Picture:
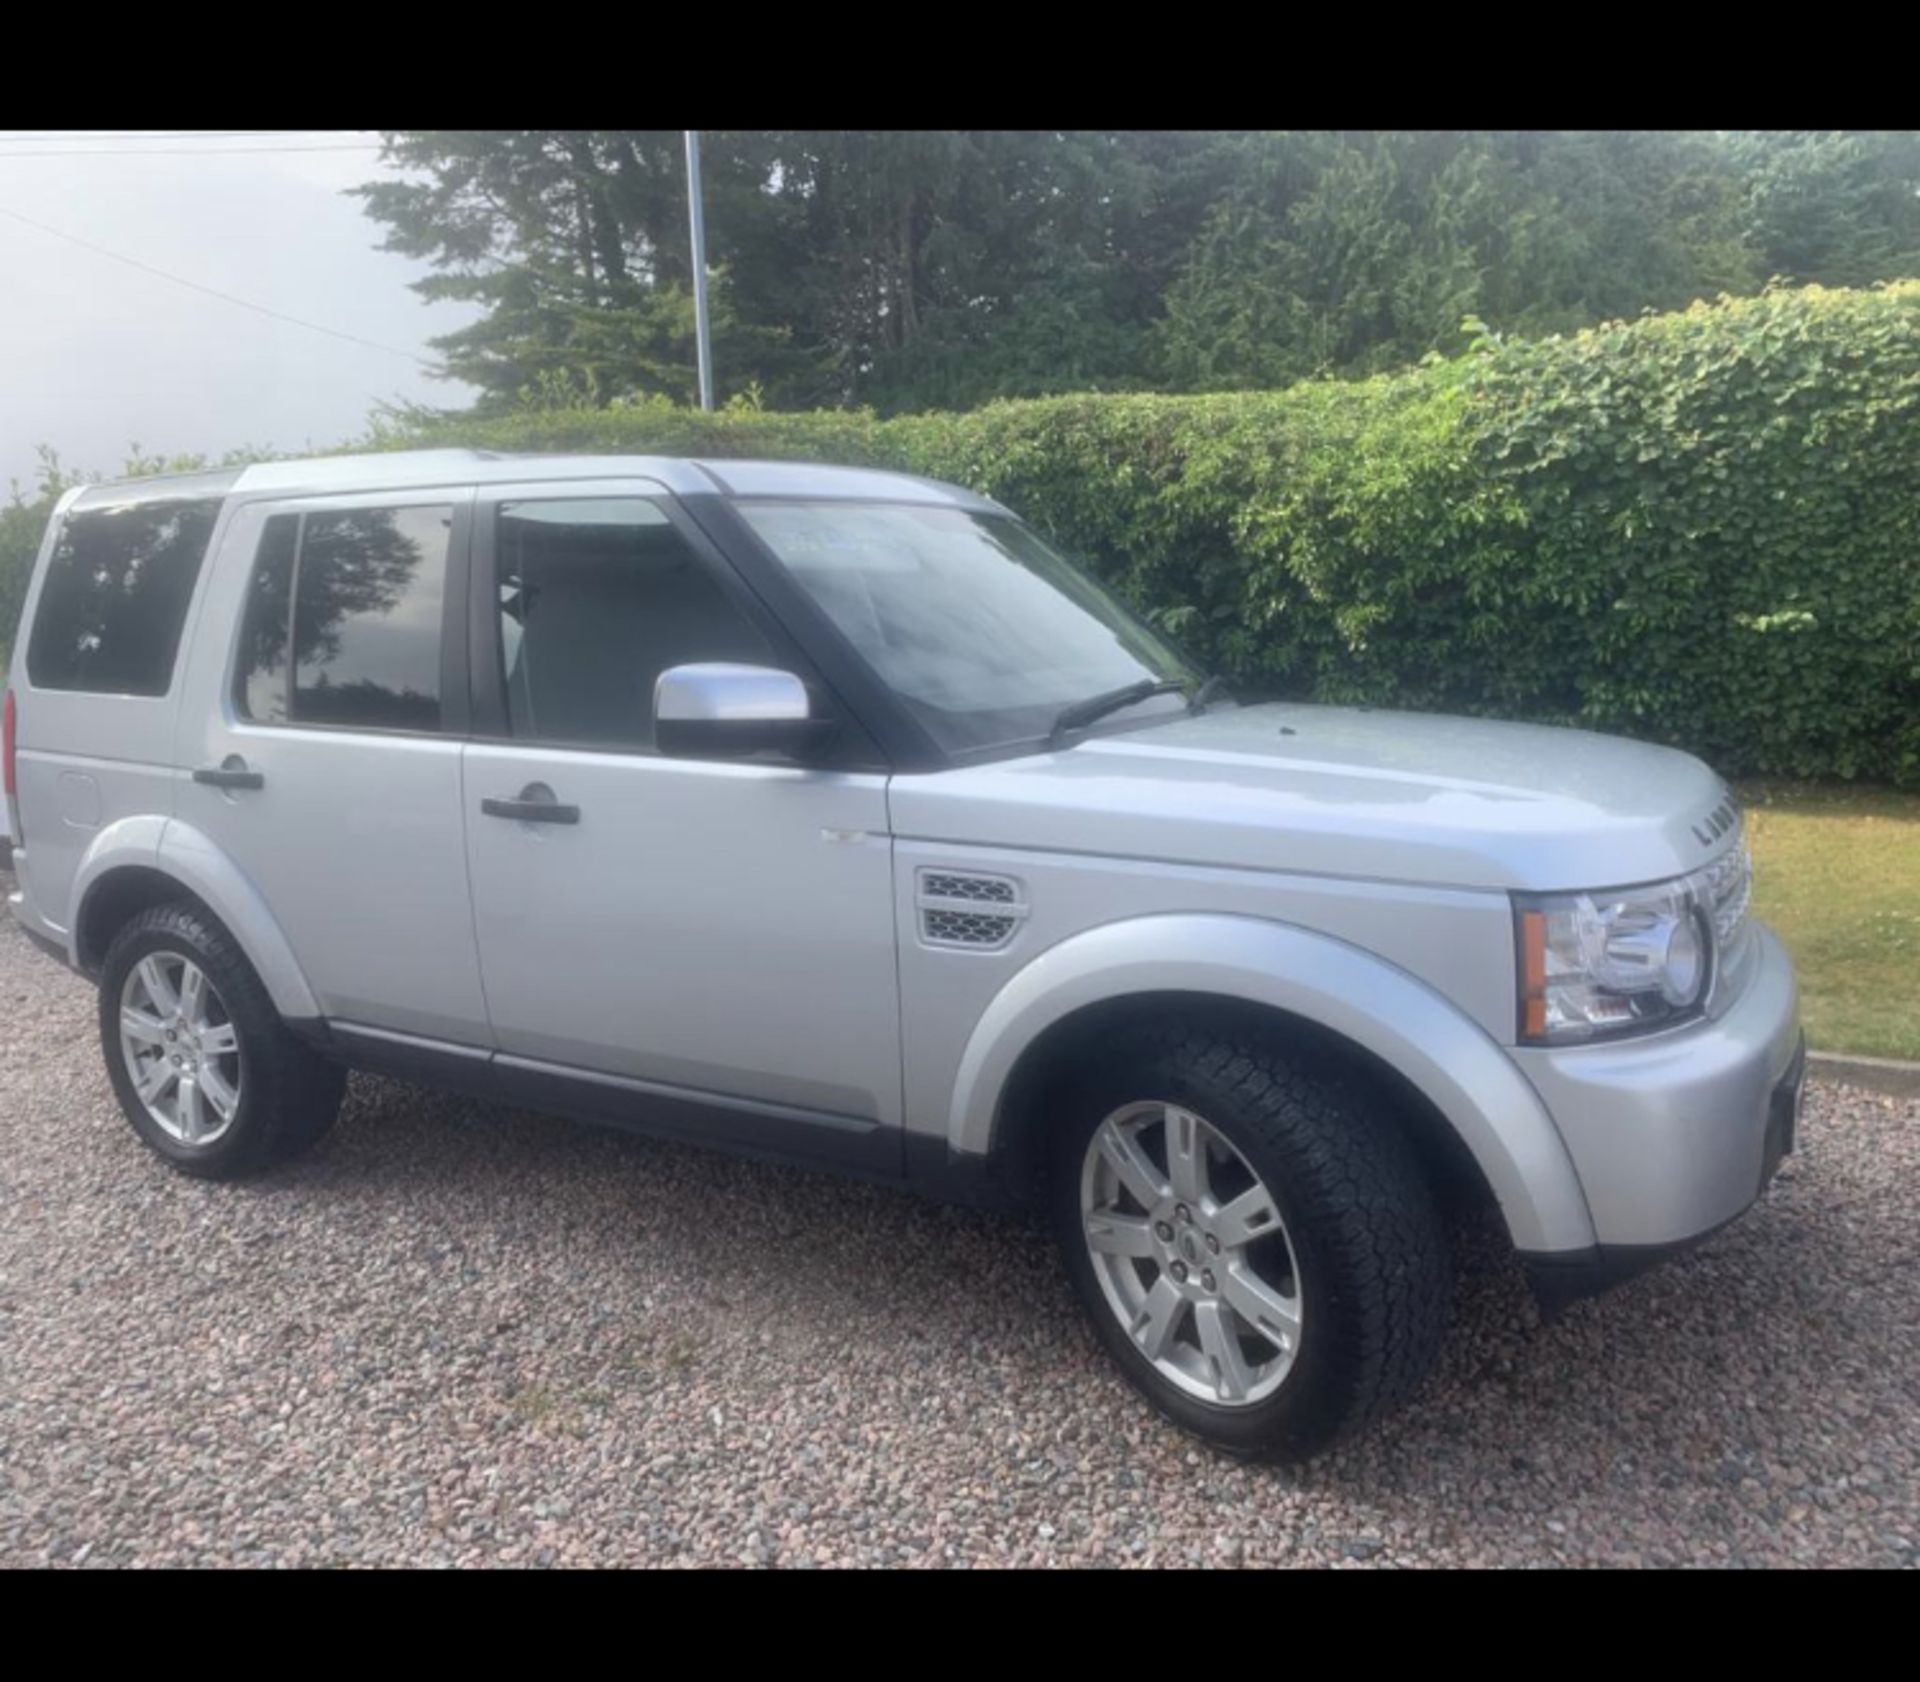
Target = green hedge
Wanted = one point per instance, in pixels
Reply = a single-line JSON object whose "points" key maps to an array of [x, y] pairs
{"points": [[21, 523], [1701, 528]]}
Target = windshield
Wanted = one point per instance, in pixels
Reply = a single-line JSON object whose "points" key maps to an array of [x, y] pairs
{"points": [[980, 628]]}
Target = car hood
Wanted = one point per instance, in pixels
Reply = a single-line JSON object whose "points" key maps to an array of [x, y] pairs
{"points": [[1346, 791]]}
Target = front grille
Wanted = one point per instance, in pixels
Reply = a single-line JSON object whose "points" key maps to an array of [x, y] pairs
{"points": [[962, 909]]}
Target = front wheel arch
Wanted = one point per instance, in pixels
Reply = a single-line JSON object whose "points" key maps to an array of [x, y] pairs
{"points": [[1048, 1067], [1306, 982]]}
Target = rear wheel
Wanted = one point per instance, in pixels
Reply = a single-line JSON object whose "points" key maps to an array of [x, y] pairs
{"points": [[1252, 1237], [180, 1048], [201, 1063]]}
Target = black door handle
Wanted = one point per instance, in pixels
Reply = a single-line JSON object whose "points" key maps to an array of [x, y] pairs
{"points": [[229, 776], [531, 811]]}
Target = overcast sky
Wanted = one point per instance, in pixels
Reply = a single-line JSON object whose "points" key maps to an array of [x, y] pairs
{"points": [[96, 355]]}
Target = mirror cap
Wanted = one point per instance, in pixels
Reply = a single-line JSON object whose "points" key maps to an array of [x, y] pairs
{"points": [[721, 692], [723, 711]]}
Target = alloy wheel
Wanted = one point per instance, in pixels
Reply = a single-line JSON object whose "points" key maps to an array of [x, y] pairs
{"points": [[1191, 1253], [181, 1048]]}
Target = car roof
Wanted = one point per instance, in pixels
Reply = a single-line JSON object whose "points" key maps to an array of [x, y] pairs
{"points": [[423, 469]]}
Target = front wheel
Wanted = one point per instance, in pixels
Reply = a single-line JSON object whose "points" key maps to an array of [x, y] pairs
{"points": [[201, 1063], [1252, 1237]]}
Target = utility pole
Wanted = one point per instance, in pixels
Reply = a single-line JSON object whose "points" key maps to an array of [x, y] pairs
{"points": [[696, 216]]}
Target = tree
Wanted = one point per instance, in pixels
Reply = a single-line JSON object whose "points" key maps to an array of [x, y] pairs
{"points": [[1842, 209], [942, 268], [576, 244]]}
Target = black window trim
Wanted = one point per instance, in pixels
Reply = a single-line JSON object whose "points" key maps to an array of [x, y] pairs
{"points": [[855, 748], [456, 714]]}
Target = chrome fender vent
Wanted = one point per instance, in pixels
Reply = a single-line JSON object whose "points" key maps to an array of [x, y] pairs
{"points": [[961, 909]]}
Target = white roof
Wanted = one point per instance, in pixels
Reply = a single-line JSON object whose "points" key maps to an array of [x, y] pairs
{"points": [[407, 469], [421, 469]]}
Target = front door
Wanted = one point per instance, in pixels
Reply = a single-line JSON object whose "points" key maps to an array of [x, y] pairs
{"points": [[717, 935]]}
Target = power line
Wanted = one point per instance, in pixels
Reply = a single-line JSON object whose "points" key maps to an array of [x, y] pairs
{"points": [[11, 136], [214, 292], [186, 151]]}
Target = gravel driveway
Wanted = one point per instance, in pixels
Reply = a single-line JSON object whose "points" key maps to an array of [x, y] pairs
{"points": [[460, 1335]]}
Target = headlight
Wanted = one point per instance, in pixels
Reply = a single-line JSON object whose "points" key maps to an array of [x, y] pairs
{"points": [[1622, 961]]}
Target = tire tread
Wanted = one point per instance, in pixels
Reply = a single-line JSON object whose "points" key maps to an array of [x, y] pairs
{"points": [[1373, 1212], [293, 1092]]}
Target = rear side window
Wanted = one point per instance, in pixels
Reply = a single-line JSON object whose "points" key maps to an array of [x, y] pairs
{"points": [[115, 597], [343, 619]]}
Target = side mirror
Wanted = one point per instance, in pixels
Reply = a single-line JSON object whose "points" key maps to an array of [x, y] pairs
{"points": [[721, 711]]}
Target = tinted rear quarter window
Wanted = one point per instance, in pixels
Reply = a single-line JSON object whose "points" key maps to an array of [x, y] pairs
{"points": [[115, 595], [348, 604]]}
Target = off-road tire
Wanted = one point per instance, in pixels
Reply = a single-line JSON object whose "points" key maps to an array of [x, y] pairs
{"points": [[289, 1094], [1371, 1248]]}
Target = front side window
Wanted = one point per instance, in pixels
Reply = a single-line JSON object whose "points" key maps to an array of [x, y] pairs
{"points": [[598, 597], [343, 617], [982, 631], [115, 596]]}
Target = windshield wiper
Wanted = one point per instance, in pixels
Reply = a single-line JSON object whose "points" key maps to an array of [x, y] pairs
{"points": [[1083, 713], [1206, 694]]}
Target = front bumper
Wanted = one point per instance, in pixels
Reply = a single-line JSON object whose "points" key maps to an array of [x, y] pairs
{"points": [[1560, 1278], [1674, 1135]]}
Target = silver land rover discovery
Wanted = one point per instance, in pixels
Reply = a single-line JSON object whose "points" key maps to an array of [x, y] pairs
{"points": [[830, 815]]}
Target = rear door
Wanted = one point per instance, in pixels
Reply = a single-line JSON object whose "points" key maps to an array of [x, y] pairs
{"points": [[320, 745], [714, 931]]}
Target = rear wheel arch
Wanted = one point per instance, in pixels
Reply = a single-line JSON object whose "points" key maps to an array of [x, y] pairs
{"points": [[114, 898], [122, 877]]}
